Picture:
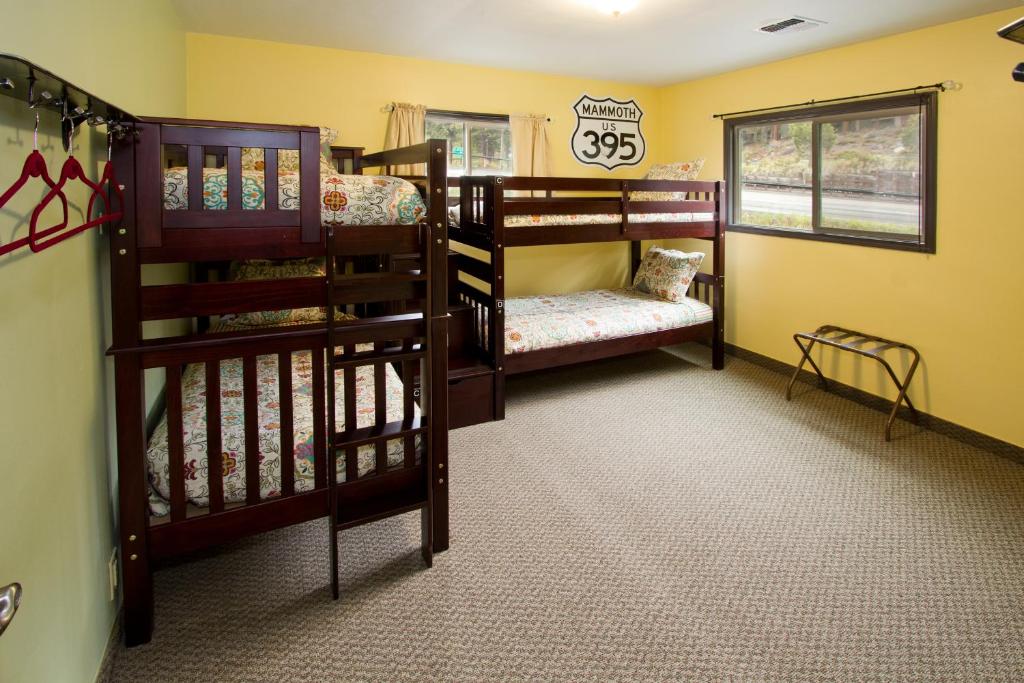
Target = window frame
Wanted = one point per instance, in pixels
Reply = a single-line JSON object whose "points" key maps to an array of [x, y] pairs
{"points": [[926, 102], [467, 118]]}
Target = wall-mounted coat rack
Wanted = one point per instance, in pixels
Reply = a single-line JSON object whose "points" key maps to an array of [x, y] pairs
{"points": [[41, 90]]}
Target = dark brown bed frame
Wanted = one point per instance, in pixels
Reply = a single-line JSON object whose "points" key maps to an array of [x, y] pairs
{"points": [[479, 279], [414, 341]]}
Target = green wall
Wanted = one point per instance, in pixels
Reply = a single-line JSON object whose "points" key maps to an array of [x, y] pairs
{"points": [[57, 506]]}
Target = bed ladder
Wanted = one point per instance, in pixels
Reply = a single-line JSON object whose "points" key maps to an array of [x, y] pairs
{"points": [[406, 355]]}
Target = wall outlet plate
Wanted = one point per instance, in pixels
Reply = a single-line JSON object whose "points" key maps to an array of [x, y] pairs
{"points": [[112, 574]]}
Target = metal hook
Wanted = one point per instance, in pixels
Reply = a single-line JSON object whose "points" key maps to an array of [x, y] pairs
{"points": [[45, 96], [10, 599], [35, 133], [70, 123]]}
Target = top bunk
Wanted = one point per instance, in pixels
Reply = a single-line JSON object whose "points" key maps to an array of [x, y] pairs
{"points": [[524, 211], [215, 190], [194, 196]]}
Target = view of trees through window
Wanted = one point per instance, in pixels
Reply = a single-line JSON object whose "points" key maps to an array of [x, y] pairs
{"points": [[476, 146], [869, 174]]}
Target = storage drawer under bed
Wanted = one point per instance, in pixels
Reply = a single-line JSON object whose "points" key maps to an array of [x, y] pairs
{"points": [[470, 400]]}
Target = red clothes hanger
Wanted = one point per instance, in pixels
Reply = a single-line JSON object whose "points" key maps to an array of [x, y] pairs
{"points": [[109, 180], [71, 171], [35, 167]]}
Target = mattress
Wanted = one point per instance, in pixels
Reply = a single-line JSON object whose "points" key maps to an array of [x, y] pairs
{"points": [[602, 218], [543, 322], [268, 406], [541, 220], [344, 199]]}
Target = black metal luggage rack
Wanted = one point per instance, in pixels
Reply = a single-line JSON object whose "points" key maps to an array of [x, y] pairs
{"points": [[849, 340]]}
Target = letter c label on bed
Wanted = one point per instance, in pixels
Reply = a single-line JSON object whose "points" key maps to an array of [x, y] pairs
{"points": [[608, 132]]}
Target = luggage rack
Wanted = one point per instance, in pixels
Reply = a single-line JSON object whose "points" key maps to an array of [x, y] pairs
{"points": [[849, 340]]}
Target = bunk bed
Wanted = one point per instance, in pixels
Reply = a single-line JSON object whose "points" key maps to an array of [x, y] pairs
{"points": [[364, 434], [495, 213]]}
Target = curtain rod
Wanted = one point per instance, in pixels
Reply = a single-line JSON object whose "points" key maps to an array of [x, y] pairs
{"points": [[943, 86], [465, 114]]}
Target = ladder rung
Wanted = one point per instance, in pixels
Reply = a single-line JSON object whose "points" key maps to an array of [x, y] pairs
{"points": [[392, 355], [363, 279], [385, 432]]}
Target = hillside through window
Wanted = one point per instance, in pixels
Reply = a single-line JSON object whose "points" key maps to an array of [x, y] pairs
{"points": [[856, 173], [478, 144]]}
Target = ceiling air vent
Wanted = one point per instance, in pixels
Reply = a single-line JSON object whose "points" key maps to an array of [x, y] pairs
{"points": [[789, 25]]}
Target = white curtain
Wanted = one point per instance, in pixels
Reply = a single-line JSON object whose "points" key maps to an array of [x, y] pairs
{"points": [[529, 144], [405, 128]]}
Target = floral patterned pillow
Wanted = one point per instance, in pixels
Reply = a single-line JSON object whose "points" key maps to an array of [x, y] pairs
{"points": [[288, 159], [680, 170], [277, 270], [667, 273]]}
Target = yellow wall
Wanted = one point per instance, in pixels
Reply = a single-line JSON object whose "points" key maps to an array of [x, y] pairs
{"points": [[250, 80], [57, 507], [961, 307]]}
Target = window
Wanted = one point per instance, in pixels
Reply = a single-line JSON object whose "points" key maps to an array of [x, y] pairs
{"points": [[858, 173], [478, 144]]}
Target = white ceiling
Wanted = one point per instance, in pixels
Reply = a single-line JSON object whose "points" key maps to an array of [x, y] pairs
{"points": [[659, 42]]}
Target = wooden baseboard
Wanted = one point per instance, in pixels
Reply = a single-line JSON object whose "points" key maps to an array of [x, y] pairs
{"points": [[936, 424]]}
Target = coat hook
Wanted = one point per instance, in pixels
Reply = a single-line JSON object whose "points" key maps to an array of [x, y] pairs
{"points": [[10, 599]]}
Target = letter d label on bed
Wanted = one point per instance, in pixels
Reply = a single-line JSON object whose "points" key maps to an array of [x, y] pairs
{"points": [[608, 132]]}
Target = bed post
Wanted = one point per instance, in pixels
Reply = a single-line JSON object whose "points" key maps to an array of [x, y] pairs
{"points": [[309, 186], [125, 281], [438, 474], [718, 338], [496, 211], [635, 256]]}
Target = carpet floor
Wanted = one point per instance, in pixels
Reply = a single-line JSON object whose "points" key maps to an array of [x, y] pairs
{"points": [[641, 519]]}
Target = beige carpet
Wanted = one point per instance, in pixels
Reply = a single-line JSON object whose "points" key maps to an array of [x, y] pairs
{"points": [[638, 519]]}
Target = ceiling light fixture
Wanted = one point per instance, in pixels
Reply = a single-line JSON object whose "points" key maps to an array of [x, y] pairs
{"points": [[615, 8]]}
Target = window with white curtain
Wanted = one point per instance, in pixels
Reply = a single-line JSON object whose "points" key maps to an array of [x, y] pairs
{"points": [[478, 144]]}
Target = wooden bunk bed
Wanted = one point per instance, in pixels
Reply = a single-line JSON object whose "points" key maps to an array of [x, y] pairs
{"points": [[496, 213], [225, 389]]}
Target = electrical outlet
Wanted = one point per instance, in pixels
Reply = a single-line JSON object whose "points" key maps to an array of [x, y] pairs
{"points": [[112, 574]]}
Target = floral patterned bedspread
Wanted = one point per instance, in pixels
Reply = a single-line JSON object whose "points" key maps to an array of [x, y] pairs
{"points": [[344, 199], [543, 322], [602, 218], [543, 220], [232, 460]]}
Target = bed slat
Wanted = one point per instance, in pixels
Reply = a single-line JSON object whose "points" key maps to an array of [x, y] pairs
{"points": [[380, 408], [214, 449], [252, 430], [319, 419], [270, 190], [234, 178], [351, 454], [408, 410], [195, 177], [175, 444], [284, 400]]}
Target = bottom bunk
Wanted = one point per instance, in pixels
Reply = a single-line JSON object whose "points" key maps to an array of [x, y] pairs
{"points": [[285, 447], [547, 331]]}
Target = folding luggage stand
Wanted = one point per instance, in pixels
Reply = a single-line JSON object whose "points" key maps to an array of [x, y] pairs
{"points": [[848, 340]]}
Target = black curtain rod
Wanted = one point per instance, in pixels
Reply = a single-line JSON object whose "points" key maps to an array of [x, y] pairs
{"points": [[945, 85], [472, 115]]}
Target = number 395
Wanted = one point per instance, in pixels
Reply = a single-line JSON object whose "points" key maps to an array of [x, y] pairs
{"points": [[610, 143]]}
